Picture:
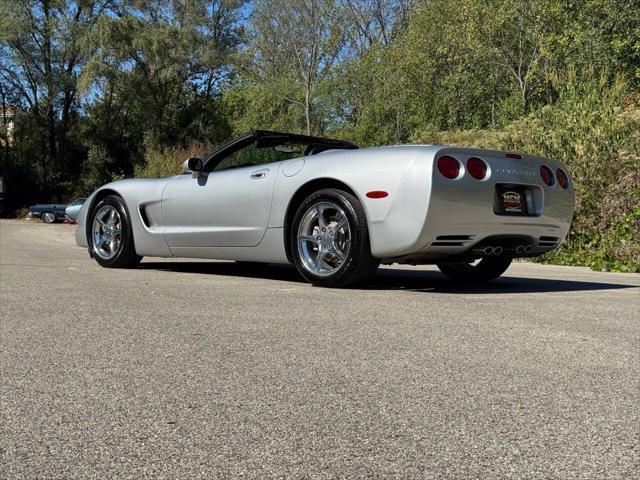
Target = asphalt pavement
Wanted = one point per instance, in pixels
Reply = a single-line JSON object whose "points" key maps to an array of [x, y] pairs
{"points": [[185, 369]]}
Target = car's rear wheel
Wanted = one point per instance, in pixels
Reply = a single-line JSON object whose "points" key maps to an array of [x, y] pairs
{"points": [[48, 217], [330, 240], [111, 236], [484, 270]]}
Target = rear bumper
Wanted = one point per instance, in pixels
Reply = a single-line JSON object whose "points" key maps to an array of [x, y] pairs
{"points": [[471, 239], [515, 239], [469, 229]]}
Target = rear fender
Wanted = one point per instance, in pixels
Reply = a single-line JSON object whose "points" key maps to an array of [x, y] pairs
{"points": [[394, 220]]}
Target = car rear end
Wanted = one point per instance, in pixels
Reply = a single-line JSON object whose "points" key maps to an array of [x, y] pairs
{"points": [[486, 202]]}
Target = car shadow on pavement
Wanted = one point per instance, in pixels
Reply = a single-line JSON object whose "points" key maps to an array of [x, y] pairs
{"points": [[390, 279], [430, 281]]}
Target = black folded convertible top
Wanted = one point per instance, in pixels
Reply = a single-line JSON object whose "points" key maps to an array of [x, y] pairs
{"points": [[266, 138]]}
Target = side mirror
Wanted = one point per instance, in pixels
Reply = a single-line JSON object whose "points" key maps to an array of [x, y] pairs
{"points": [[193, 165]]}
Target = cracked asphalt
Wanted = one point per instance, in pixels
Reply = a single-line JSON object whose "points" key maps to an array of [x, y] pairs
{"points": [[185, 369]]}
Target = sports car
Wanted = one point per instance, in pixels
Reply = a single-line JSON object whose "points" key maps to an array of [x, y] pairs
{"points": [[337, 211], [72, 210]]}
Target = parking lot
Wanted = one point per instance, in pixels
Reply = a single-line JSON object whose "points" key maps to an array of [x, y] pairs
{"points": [[184, 369]]}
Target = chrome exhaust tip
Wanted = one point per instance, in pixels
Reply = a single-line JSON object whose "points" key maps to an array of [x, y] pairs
{"points": [[488, 251], [497, 251], [520, 249], [528, 249]]}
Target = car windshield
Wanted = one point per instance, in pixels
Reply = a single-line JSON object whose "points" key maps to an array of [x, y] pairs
{"points": [[253, 156], [260, 146]]}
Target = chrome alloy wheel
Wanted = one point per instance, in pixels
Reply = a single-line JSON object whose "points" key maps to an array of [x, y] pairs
{"points": [[48, 217], [107, 232], [324, 238]]}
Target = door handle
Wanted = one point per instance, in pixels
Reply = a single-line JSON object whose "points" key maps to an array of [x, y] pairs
{"points": [[259, 174]]}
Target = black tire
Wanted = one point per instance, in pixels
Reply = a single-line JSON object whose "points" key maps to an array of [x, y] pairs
{"points": [[126, 256], [359, 265], [48, 217], [489, 268]]}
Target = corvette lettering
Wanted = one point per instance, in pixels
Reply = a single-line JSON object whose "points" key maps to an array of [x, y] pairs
{"points": [[516, 171]]}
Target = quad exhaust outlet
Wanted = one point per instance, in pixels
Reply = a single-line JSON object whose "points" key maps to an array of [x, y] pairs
{"points": [[492, 251], [520, 249]]}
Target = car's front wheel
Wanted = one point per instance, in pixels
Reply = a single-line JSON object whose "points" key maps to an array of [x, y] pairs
{"points": [[330, 240], [111, 235], [484, 270]]}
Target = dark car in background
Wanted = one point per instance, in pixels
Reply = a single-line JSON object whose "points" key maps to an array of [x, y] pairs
{"points": [[53, 212], [49, 213]]}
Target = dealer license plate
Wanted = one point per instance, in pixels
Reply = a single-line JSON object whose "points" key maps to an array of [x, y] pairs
{"points": [[511, 200]]}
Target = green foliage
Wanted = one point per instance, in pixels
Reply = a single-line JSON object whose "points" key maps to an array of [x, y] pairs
{"points": [[169, 162], [595, 130], [97, 170]]}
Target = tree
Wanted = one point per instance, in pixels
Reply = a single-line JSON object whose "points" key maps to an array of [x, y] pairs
{"points": [[163, 59], [376, 22], [300, 42], [41, 59], [373, 26]]}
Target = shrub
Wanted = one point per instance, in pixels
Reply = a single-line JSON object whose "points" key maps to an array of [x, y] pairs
{"points": [[594, 128], [168, 162]]}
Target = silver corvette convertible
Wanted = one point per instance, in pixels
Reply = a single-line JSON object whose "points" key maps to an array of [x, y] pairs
{"points": [[337, 211]]}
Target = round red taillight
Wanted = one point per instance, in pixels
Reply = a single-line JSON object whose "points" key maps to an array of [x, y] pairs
{"points": [[477, 168], [562, 177], [449, 166], [547, 175]]}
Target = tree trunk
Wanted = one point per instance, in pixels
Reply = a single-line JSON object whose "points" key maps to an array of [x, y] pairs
{"points": [[307, 109], [48, 72], [64, 124], [494, 95], [548, 87], [5, 124]]}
